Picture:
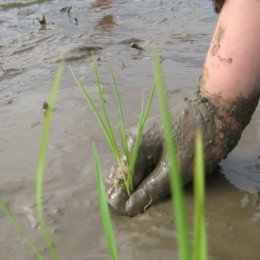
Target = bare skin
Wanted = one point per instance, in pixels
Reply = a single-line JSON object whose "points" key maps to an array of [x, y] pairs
{"points": [[222, 106]]}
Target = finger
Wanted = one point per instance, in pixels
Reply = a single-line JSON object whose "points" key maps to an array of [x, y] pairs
{"points": [[117, 199], [149, 152], [154, 187]]}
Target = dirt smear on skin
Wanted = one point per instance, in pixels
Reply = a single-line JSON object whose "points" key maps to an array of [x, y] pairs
{"points": [[217, 40]]}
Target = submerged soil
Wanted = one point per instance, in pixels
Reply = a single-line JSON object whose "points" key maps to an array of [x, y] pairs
{"points": [[29, 56]]}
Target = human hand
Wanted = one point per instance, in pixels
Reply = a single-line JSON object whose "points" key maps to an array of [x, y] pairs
{"points": [[221, 127]]}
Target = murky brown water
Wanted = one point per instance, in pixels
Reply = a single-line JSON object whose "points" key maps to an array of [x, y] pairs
{"points": [[29, 55]]}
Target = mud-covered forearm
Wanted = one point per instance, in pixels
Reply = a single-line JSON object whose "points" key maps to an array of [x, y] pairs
{"points": [[221, 128], [221, 108]]}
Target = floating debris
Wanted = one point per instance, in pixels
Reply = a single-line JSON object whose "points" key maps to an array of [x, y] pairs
{"points": [[136, 46], [66, 9], [42, 21], [45, 107]]}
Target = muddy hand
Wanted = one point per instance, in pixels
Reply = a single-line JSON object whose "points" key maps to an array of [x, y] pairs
{"points": [[221, 125], [148, 158]]}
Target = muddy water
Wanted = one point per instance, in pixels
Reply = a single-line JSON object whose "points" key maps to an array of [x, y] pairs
{"points": [[29, 55]]}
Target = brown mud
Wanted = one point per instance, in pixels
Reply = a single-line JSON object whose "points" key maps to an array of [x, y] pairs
{"points": [[181, 30]]}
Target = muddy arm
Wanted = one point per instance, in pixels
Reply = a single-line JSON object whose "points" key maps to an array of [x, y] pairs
{"points": [[221, 128], [228, 95]]}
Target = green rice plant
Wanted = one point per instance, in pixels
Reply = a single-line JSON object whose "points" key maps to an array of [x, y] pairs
{"points": [[41, 162], [39, 180], [21, 231], [200, 245], [108, 229], [175, 175], [200, 241], [130, 160]]}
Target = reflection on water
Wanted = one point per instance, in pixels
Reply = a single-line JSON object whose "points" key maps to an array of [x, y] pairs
{"points": [[107, 22], [29, 57]]}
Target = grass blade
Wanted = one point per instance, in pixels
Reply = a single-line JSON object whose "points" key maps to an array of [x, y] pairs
{"points": [[21, 231], [108, 229], [149, 104], [104, 109], [175, 175], [107, 132], [41, 163], [142, 122], [200, 241], [98, 116], [122, 129]]}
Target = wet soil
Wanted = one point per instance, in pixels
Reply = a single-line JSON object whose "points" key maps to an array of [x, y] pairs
{"points": [[29, 55]]}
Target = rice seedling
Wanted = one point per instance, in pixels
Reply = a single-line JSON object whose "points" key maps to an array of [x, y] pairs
{"points": [[127, 161], [21, 231], [108, 229], [175, 175], [39, 180], [199, 250], [41, 163], [200, 240]]}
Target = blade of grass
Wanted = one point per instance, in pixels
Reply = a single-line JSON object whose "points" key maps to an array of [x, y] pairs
{"points": [[108, 229], [21, 231], [136, 148], [122, 130], [200, 241], [175, 176], [142, 122], [110, 129], [41, 163], [105, 129], [104, 109], [149, 104], [98, 116]]}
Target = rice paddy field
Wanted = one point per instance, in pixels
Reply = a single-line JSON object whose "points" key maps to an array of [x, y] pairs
{"points": [[30, 53]]}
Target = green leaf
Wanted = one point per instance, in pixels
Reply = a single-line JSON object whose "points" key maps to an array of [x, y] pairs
{"points": [[41, 163], [21, 231], [175, 175], [106, 219], [200, 241]]}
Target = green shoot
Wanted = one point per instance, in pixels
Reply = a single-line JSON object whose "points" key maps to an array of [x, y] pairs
{"points": [[142, 122], [200, 241], [175, 176], [108, 229], [122, 129], [96, 113], [104, 127], [108, 130], [41, 163], [104, 109], [21, 231]]}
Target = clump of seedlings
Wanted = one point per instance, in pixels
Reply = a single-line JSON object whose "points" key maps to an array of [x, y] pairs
{"points": [[126, 162]]}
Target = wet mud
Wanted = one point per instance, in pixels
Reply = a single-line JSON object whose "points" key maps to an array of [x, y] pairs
{"points": [[29, 57]]}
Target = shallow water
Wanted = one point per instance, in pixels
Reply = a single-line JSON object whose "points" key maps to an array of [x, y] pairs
{"points": [[29, 55]]}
